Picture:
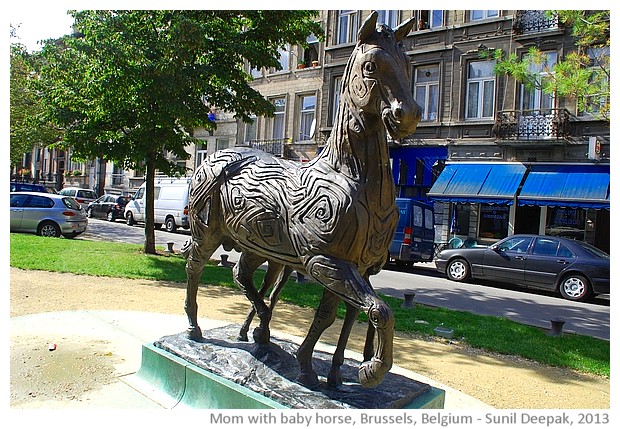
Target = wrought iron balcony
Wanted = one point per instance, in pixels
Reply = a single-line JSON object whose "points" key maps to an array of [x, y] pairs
{"points": [[272, 146], [534, 21], [542, 124]]}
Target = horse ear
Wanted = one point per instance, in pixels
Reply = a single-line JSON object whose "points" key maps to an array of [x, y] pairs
{"points": [[368, 27], [403, 29]]}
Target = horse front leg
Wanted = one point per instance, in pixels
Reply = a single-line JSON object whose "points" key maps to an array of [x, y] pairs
{"points": [[197, 256], [343, 279]]}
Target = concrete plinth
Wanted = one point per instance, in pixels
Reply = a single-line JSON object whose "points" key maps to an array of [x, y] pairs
{"points": [[221, 372]]}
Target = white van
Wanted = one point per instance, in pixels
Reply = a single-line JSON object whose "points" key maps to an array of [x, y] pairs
{"points": [[171, 204]]}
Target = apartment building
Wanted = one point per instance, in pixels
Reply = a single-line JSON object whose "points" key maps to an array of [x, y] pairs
{"points": [[494, 157]]}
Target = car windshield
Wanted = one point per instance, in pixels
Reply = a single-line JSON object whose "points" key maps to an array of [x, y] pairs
{"points": [[71, 204], [598, 253], [86, 194]]}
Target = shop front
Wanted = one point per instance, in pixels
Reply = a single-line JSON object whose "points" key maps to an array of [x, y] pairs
{"points": [[567, 200], [484, 202], [478, 199]]}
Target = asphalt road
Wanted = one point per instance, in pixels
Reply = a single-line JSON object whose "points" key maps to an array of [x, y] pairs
{"points": [[430, 287]]}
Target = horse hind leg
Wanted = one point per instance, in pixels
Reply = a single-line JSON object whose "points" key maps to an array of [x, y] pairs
{"points": [[324, 317], [270, 278], [276, 277], [243, 272]]}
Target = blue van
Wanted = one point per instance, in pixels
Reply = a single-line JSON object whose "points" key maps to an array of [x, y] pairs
{"points": [[414, 239]]}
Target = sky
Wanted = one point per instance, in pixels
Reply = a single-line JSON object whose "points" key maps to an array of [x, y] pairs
{"points": [[40, 23]]}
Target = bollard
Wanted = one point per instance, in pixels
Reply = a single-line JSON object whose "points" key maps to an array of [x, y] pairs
{"points": [[409, 300], [224, 261], [556, 327], [300, 277], [170, 245]]}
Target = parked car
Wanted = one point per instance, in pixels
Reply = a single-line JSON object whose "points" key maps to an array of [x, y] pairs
{"points": [[27, 187], [573, 268], [81, 195], [48, 215], [108, 206], [171, 204]]}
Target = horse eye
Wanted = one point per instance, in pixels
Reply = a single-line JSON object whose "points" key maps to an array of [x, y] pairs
{"points": [[370, 67]]}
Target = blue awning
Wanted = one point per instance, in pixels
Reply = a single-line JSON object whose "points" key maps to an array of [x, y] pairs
{"points": [[568, 185], [492, 183]]}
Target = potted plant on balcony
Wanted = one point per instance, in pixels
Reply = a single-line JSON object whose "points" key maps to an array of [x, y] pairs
{"points": [[301, 65]]}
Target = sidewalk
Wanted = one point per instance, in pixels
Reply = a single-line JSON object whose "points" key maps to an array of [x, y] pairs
{"points": [[116, 339]]}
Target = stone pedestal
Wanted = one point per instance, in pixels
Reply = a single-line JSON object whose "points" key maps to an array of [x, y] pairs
{"points": [[221, 372]]}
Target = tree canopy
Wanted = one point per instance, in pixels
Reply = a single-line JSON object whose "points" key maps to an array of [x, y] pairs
{"points": [[583, 74], [130, 86], [26, 108]]}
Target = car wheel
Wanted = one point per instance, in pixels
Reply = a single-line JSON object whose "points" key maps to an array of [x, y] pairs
{"points": [[129, 219], [111, 216], [49, 229], [575, 287], [171, 226], [458, 270]]}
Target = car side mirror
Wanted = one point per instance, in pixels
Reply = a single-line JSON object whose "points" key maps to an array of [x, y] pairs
{"points": [[495, 248]]}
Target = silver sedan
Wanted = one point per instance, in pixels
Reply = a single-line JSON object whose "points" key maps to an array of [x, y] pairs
{"points": [[48, 215]]}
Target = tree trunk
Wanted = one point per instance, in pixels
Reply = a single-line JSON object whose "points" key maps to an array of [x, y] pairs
{"points": [[149, 214], [101, 177]]}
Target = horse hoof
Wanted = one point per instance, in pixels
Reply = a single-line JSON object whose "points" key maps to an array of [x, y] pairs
{"points": [[333, 379], [194, 333], [371, 373], [243, 337], [261, 336], [310, 380]]}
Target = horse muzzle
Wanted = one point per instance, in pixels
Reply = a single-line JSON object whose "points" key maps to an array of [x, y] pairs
{"points": [[401, 118]]}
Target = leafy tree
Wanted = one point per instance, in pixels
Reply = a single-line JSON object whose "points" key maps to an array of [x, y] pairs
{"points": [[583, 74], [26, 128], [132, 85]]}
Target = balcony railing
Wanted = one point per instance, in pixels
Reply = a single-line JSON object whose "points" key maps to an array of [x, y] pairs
{"points": [[272, 146], [533, 21], [542, 124]]}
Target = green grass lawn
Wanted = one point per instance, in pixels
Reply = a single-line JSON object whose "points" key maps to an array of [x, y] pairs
{"points": [[583, 353]]}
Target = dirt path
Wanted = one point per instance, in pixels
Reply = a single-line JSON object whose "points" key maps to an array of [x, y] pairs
{"points": [[500, 381]]}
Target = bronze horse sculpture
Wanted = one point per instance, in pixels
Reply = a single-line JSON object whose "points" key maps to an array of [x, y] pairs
{"points": [[332, 218]]}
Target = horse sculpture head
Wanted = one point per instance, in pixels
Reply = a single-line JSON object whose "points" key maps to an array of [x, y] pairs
{"points": [[378, 78]]}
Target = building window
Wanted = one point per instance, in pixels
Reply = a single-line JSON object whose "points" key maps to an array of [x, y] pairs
{"points": [[476, 15], [480, 99], [221, 144], [256, 72], [335, 94], [429, 19], [535, 98], [311, 53], [388, 17], [285, 58], [277, 131], [306, 114], [493, 221], [250, 131], [598, 101], [426, 91], [347, 26]]}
